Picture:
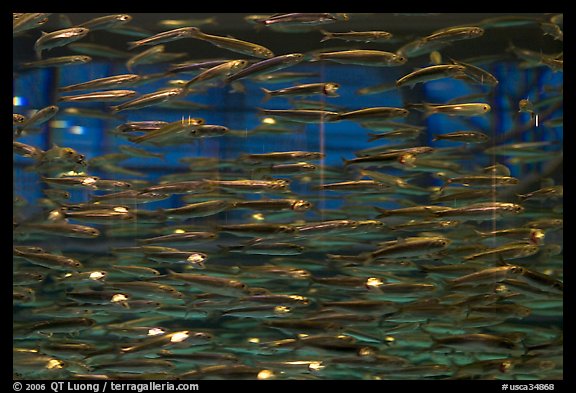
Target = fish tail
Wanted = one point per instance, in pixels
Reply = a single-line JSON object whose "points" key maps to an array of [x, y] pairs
{"points": [[114, 108], [383, 212], [522, 197], [133, 44], [137, 139], [327, 35], [38, 52], [223, 249], [373, 137], [267, 94], [436, 138], [367, 258]]}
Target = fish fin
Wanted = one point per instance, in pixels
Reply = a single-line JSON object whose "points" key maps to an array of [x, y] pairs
{"points": [[133, 44], [223, 249], [383, 212], [267, 94], [327, 35], [373, 137]]}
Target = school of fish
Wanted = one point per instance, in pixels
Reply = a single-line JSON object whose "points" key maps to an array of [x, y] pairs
{"points": [[439, 255]]}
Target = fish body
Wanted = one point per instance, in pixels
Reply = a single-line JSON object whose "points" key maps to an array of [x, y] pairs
{"points": [[266, 67], [327, 89], [165, 36], [103, 83], [99, 96], [373, 58], [357, 36], [106, 22], [148, 100], [58, 38], [233, 44], [431, 73], [60, 61]]}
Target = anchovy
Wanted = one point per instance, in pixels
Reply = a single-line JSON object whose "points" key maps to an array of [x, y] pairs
{"points": [[266, 67], [107, 82]]}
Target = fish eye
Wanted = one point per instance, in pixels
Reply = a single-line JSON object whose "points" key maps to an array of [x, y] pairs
{"points": [[516, 269], [301, 205], [486, 108]]}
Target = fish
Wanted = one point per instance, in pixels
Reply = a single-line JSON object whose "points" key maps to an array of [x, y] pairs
{"points": [[311, 116], [99, 96], [25, 150], [508, 251], [220, 71], [106, 82], [217, 285], [463, 136], [168, 130], [232, 44], [264, 248], [39, 117], [62, 229], [474, 74], [362, 185], [281, 77], [375, 113], [488, 275], [482, 211], [265, 68], [147, 56], [58, 38], [247, 185], [28, 21], [164, 37], [299, 19], [357, 36], [480, 342], [372, 58], [451, 34], [553, 30], [282, 157], [431, 73], [106, 22], [257, 230], [147, 100], [543, 193], [297, 205], [60, 61], [327, 89], [409, 247], [466, 109], [200, 209]]}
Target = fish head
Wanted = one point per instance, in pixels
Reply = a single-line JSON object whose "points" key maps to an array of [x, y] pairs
{"points": [[476, 32], [78, 31], [398, 59], [294, 58], [331, 88], [238, 285], [301, 205], [81, 59], [262, 52], [124, 18]]}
